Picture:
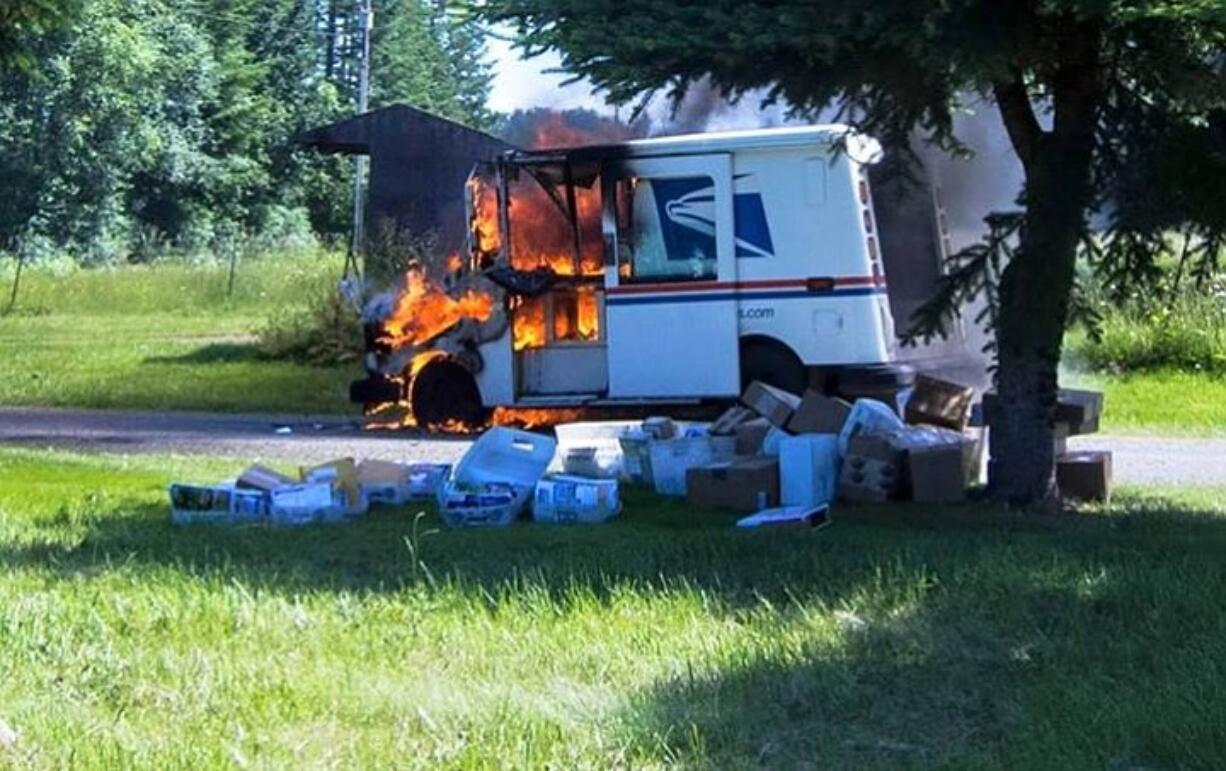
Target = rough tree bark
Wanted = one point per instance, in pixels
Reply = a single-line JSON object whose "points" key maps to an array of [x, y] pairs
{"points": [[1036, 286]]}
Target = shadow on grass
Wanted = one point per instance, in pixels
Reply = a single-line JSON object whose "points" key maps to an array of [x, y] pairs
{"points": [[655, 545], [212, 353], [1086, 649]]}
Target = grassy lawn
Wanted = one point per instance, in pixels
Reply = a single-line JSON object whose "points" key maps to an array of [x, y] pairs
{"points": [[898, 637], [1163, 402], [163, 337]]}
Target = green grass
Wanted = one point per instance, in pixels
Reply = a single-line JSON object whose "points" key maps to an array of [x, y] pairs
{"points": [[1160, 402], [898, 637], [164, 337]]}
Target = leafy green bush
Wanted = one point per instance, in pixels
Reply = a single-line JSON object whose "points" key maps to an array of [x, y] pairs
{"points": [[325, 330], [1184, 332]]}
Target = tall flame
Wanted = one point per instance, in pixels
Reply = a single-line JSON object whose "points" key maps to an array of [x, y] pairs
{"points": [[424, 311]]}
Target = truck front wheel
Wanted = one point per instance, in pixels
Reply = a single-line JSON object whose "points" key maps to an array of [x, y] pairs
{"points": [[445, 397], [772, 363]]}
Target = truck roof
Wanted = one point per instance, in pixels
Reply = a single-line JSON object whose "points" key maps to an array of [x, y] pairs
{"points": [[687, 144]]}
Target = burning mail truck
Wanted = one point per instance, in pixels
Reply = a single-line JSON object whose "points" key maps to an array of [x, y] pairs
{"points": [[661, 271]]}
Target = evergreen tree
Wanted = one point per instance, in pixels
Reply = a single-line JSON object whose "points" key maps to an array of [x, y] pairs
{"points": [[1096, 96]]}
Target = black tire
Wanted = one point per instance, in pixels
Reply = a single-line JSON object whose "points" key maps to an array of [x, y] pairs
{"points": [[774, 364], [876, 376], [446, 393]]}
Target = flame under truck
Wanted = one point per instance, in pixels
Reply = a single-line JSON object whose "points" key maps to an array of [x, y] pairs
{"points": [[693, 264]]}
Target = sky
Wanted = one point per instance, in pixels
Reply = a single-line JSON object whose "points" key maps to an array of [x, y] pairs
{"points": [[523, 84]]}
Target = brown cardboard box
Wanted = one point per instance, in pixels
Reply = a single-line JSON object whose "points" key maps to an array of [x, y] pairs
{"points": [[725, 424], [771, 403], [819, 414], [734, 485], [939, 403], [871, 470], [749, 436], [938, 473], [1084, 474], [1080, 411]]}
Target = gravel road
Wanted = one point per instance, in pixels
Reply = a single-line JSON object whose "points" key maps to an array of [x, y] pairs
{"points": [[314, 439]]}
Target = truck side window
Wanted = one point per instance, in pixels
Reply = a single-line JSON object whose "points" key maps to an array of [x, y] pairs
{"points": [[666, 229]]}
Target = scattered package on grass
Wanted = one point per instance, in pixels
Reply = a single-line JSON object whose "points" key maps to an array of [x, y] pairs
{"points": [[808, 469], [819, 414], [744, 485], [772, 403], [502, 459], [939, 403], [393, 483], [568, 500], [750, 435], [871, 470], [1084, 474], [791, 516], [672, 458]]}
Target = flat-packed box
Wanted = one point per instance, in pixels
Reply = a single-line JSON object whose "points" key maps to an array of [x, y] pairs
{"points": [[1084, 474], [939, 403], [819, 414], [871, 470], [744, 485], [808, 469], [301, 504], [938, 473], [771, 403], [750, 435]]}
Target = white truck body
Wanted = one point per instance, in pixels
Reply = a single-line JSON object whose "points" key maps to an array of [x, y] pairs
{"points": [[710, 241]]}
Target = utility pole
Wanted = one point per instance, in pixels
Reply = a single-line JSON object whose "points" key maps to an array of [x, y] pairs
{"points": [[366, 18]]}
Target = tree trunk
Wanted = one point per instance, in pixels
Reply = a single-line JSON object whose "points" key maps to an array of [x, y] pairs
{"points": [[1037, 284], [1034, 299]]}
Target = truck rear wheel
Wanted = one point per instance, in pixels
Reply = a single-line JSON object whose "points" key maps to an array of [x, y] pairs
{"points": [[774, 364], [445, 395]]}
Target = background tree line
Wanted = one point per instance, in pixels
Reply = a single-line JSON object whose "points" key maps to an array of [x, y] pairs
{"points": [[132, 127]]}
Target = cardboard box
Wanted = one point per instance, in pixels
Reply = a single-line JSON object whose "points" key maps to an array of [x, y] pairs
{"points": [[939, 403], [771, 403], [1080, 411], [750, 434], [871, 470], [819, 414], [938, 473], [1084, 474], [342, 474], [736, 485], [263, 478], [725, 425]]}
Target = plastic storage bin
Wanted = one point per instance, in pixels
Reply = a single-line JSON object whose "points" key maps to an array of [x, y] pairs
{"points": [[502, 458]]}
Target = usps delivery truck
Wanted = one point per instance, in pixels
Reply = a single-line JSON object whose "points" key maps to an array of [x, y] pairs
{"points": [[774, 254]]}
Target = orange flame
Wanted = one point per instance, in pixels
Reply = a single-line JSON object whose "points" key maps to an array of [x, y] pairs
{"points": [[424, 311]]}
